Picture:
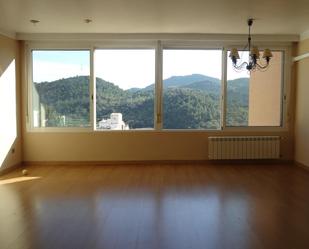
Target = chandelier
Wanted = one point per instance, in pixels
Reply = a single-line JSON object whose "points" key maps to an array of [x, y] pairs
{"points": [[254, 63]]}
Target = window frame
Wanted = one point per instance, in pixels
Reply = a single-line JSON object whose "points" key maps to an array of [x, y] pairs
{"points": [[30, 125], [193, 46], [285, 91], [127, 46], [158, 46]]}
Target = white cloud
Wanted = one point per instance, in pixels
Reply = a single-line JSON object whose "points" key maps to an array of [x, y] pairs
{"points": [[126, 68]]}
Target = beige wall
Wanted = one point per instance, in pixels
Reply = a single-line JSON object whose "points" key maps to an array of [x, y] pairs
{"points": [[302, 107], [143, 145], [265, 94], [10, 132], [125, 146]]}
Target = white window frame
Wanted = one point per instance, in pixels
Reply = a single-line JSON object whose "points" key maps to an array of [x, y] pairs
{"points": [[285, 91], [134, 46], [194, 46], [150, 43], [55, 47]]}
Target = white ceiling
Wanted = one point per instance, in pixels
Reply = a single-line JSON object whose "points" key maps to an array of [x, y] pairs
{"points": [[154, 16]]}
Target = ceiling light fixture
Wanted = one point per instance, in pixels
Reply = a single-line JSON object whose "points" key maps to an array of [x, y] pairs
{"points": [[34, 21], [254, 63], [87, 20]]}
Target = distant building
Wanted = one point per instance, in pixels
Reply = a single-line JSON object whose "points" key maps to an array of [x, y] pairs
{"points": [[115, 122]]}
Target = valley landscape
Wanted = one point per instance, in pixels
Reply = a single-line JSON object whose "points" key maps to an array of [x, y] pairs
{"points": [[189, 102]]}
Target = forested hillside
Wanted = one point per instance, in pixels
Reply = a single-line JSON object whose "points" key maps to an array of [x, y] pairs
{"points": [[191, 101]]}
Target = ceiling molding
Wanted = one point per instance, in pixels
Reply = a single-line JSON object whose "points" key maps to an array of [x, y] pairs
{"points": [[304, 35], [8, 34], [151, 36]]}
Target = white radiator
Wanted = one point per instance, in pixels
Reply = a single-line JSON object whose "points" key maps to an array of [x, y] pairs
{"points": [[244, 147]]}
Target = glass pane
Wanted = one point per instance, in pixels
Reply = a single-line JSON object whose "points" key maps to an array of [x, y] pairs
{"points": [[60, 90], [125, 88], [254, 99], [191, 89]]}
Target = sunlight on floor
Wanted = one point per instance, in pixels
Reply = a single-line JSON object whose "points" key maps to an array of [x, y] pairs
{"points": [[18, 179]]}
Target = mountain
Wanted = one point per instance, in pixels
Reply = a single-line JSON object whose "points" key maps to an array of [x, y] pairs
{"points": [[191, 101], [206, 85], [240, 85], [134, 89], [180, 81], [185, 108], [69, 97], [237, 102]]}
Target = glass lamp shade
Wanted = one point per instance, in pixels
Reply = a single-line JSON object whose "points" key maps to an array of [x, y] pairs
{"points": [[234, 53], [255, 52], [267, 53]]}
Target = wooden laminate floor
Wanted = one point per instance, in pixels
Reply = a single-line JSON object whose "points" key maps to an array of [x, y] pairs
{"points": [[156, 206]]}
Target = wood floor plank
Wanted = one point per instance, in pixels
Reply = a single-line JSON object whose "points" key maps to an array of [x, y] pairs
{"points": [[160, 206]]}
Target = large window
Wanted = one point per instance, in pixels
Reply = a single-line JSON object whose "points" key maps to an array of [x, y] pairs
{"points": [[255, 99], [60, 89], [150, 87], [192, 89], [124, 88]]}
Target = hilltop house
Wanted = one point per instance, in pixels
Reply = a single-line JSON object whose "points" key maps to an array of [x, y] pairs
{"points": [[115, 122]]}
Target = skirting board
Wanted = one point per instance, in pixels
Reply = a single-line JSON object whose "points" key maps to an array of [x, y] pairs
{"points": [[301, 165], [109, 163], [154, 162], [9, 169]]}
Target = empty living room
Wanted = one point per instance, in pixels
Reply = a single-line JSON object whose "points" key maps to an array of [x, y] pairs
{"points": [[149, 124]]}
